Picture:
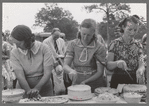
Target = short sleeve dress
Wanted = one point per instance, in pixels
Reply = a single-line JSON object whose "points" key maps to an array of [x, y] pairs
{"points": [[130, 53], [84, 60], [34, 67]]}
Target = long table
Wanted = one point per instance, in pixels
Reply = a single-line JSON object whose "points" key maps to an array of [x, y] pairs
{"points": [[90, 101]]}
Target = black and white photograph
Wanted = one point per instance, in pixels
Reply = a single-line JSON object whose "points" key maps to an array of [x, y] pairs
{"points": [[74, 53]]}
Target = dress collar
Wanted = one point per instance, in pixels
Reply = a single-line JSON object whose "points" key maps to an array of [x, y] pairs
{"points": [[34, 49], [91, 45], [131, 42]]}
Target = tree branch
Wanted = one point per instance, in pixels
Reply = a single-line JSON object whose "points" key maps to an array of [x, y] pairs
{"points": [[102, 9], [114, 11]]}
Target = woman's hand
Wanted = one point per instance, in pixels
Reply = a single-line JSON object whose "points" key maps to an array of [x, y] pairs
{"points": [[122, 65], [140, 76], [73, 76], [33, 93], [83, 83], [58, 69]]}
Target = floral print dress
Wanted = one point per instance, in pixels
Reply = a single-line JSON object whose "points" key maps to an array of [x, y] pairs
{"points": [[131, 53]]}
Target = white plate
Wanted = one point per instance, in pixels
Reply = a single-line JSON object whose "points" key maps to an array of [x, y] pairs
{"points": [[49, 100]]}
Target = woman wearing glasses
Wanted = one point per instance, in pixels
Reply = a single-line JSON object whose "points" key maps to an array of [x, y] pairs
{"points": [[124, 56], [87, 55]]}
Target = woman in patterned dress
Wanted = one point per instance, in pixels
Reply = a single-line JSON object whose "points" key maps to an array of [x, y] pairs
{"points": [[125, 55]]}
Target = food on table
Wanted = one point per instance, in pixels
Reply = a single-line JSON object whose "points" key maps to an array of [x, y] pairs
{"points": [[46, 100], [132, 97], [79, 92], [12, 95], [141, 89], [135, 88], [106, 98], [101, 90], [55, 100]]}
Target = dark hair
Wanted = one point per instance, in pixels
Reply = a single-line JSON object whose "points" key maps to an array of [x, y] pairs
{"points": [[124, 22], [55, 29], [23, 33], [136, 16]]}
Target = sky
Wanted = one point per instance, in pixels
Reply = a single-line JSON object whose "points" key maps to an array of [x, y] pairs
{"points": [[24, 13]]}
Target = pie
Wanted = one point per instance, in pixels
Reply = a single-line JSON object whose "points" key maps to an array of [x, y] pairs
{"points": [[52, 100], [106, 98], [102, 90]]}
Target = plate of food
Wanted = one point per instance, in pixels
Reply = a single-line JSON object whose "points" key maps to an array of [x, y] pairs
{"points": [[102, 90], [55, 100], [106, 98], [49, 100]]}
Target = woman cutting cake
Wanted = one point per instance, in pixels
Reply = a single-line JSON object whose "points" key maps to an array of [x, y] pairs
{"points": [[87, 55]]}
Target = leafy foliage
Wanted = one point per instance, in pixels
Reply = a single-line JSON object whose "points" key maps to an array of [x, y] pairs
{"points": [[52, 16], [113, 13]]}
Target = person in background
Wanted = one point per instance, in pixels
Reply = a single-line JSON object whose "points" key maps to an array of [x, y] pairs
{"points": [[32, 63], [56, 43], [144, 57], [57, 46], [62, 35], [7, 72], [100, 39], [87, 55], [124, 54]]}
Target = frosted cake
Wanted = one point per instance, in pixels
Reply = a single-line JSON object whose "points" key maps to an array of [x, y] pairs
{"points": [[79, 92]]}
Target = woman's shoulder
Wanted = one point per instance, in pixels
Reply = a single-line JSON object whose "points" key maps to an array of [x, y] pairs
{"points": [[117, 40], [41, 44], [138, 43], [14, 51], [72, 42]]}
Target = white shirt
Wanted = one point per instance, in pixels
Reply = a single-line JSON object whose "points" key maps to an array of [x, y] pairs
{"points": [[60, 44]]}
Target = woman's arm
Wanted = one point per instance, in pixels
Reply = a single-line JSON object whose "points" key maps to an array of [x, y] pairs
{"points": [[71, 72], [45, 78], [98, 74], [67, 65], [22, 80], [19, 72], [47, 66], [110, 63], [141, 68]]}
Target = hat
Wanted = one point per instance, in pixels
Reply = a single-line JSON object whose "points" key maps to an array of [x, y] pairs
{"points": [[55, 29]]}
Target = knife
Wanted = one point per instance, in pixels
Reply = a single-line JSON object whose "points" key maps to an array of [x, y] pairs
{"points": [[129, 75]]}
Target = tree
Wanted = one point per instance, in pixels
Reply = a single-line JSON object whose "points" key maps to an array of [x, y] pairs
{"points": [[52, 16], [113, 11], [102, 30], [143, 28]]}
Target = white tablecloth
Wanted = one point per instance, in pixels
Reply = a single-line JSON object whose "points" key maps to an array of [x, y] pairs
{"points": [[90, 101]]}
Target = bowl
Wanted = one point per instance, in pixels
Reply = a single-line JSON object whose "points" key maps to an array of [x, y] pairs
{"points": [[132, 97], [12, 95]]}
